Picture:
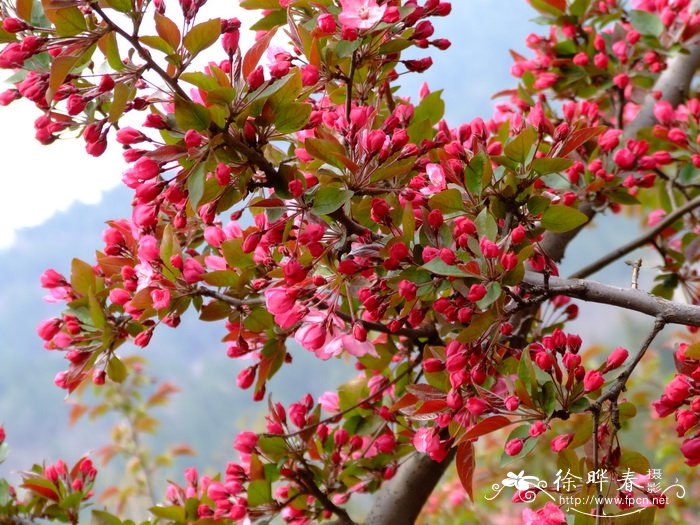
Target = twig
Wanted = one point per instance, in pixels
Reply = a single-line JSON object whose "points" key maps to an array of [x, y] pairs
{"points": [[613, 392], [143, 53], [307, 480], [233, 301], [638, 242]]}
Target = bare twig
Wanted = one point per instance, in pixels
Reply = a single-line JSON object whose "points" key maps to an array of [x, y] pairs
{"points": [[638, 242], [613, 392]]}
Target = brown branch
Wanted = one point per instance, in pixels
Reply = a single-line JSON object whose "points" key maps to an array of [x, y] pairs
{"points": [[307, 481], [143, 53], [233, 301], [613, 392], [640, 241], [401, 499], [669, 312]]}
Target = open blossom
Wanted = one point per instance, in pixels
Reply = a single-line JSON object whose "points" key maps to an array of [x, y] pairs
{"points": [[360, 14]]}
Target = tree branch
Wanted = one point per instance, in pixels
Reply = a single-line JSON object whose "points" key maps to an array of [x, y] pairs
{"points": [[669, 312], [638, 242], [143, 53], [401, 499], [613, 392]]}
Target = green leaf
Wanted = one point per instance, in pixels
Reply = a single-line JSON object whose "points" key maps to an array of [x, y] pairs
{"points": [[100, 517], [120, 5], [520, 147], [190, 115], [521, 432], [646, 23], [259, 493], [328, 151], [98, 316], [156, 42], [486, 225], [110, 49], [69, 21], [478, 173], [547, 165], [493, 292], [4, 491], [561, 219], [195, 184], [116, 370], [292, 117], [431, 108], [440, 267], [329, 199], [276, 18], [221, 278], [447, 201], [82, 278], [60, 67], [233, 253], [173, 513], [123, 92], [537, 204], [202, 36]]}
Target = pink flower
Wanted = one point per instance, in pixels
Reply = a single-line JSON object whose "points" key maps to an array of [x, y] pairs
{"points": [[311, 336], [437, 177], [550, 514], [360, 14], [559, 443], [246, 442], [160, 298], [593, 380], [330, 402], [278, 300], [427, 440]]}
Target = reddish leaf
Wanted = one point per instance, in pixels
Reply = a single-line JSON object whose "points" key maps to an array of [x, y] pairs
{"points": [[578, 138], [41, 490], [425, 392], [432, 406], [559, 4], [252, 57], [486, 426], [465, 463], [268, 203], [404, 401], [167, 153]]}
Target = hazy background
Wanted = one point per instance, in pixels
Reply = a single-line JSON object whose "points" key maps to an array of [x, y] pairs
{"points": [[210, 408]]}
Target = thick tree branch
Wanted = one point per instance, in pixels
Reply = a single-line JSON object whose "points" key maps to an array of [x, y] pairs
{"points": [[401, 499], [669, 312], [638, 242]]}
